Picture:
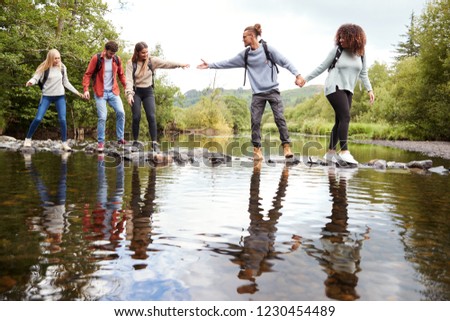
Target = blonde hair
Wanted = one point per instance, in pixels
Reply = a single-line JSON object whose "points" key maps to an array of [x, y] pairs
{"points": [[48, 62]]}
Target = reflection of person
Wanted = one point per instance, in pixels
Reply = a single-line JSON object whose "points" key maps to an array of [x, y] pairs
{"points": [[259, 244], [139, 74], [340, 83], [52, 73], [54, 221], [106, 90], [340, 253], [263, 80], [106, 221], [139, 228]]}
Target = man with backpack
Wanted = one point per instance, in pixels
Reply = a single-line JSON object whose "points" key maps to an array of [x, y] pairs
{"points": [[260, 60], [104, 69]]}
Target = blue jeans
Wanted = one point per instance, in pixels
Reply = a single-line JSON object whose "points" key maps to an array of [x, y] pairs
{"points": [[60, 103], [102, 112]]}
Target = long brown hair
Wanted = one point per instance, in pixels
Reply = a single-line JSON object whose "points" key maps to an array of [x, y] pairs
{"points": [[354, 36], [48, 62], [137, 48]]}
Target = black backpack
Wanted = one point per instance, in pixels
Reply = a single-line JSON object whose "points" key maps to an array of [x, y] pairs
{"points": [[336, 57], [98, 66], [268, 57], [150, 67], [41, 82]]}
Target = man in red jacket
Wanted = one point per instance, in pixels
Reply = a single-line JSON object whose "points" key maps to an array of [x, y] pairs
{"points": [[104, 69]]}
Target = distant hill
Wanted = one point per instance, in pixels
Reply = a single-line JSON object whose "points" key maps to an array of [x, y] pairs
{"points": [[290, 97]]}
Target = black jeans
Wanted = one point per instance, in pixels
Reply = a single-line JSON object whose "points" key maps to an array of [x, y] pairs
{"points": [[341, 101], [144, 96], [257, 110]]}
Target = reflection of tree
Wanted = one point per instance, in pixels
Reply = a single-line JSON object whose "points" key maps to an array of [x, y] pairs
{"points": [[106, 221], [339, 254], [258, 247], [139, 228]]}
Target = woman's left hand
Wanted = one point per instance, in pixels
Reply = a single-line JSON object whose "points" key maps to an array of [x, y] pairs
{"points": [[371, 97]]}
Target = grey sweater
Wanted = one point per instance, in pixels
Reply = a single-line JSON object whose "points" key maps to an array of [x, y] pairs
{"points": [[54, 86], [345, 74], [258, 68]]}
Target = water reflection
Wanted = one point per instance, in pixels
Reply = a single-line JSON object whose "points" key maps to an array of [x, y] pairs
{"points": [[104, 225], [53, 221], [339, 254], [139, 227], [254, 258]]}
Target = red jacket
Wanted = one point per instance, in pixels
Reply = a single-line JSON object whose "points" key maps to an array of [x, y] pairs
{"points": [[98, 82]]}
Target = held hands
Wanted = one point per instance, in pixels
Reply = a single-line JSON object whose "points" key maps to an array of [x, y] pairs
{"points": [[130, 99], [86, 95], [300, 81], [203, 65]]}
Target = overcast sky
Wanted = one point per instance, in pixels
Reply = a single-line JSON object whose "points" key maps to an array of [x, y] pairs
{"points": [[302, 30]]}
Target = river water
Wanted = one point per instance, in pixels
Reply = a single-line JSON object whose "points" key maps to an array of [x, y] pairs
{"points": [[77, 228]]}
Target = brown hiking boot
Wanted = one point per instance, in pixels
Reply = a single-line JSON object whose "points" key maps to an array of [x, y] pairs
{"points": [[287, 151], [257, 153]]}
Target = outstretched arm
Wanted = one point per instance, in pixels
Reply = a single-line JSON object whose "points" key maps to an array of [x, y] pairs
{"points": [[203, 65]]}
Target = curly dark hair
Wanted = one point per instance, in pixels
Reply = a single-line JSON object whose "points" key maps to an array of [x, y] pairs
{"points": [[354, 36], [112, 45]]}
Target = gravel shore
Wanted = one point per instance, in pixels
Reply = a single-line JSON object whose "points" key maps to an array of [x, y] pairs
{"points": [[430, 148]]}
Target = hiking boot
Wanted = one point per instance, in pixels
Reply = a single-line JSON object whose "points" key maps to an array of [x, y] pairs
{"points": [[287, 151], [257, 154], [65, 147], [155, 147], [27, 142], [122, 142], [101, 147], [347, 157]]}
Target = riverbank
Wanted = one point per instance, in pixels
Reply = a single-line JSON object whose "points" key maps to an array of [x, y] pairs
{"points": [[429, 148]]}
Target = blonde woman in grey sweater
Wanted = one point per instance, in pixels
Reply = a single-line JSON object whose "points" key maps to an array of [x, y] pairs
{"points": [[53, 77], [350, 39]]}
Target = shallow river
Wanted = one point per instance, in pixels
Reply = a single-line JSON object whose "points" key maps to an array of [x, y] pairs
{"points": [[77, 228]]}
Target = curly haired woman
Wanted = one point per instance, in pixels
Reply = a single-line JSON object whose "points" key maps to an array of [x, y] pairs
{"points": [[350, 39]]}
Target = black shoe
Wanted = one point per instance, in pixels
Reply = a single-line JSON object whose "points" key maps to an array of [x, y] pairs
{"points": [[155, 147]]}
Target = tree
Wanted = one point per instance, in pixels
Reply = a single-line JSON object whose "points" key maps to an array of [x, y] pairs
{"points": [[27, 31], [434, 64], [409, 48]]}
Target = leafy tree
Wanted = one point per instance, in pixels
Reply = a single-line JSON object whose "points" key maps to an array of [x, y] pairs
{"points": [[28, 29], [240, 112], [434, 62]]}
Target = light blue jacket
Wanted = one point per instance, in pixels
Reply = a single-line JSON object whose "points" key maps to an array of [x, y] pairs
{"points": [[345, 74], [258, 68]]}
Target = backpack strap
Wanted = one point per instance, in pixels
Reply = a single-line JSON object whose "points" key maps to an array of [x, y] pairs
{"points": [[336, 57], [42, 82], [98, 65], [268, 57], [150, 67]]}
